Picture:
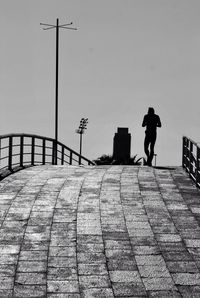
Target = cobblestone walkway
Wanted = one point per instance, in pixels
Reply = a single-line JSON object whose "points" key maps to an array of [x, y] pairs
{"points": [[114, 231]]}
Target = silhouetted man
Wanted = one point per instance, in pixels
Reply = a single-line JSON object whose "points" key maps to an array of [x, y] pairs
{"points": [[151, 121]]}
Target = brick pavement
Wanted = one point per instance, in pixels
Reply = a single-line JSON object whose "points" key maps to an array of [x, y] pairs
{"points": [[107, 231]]}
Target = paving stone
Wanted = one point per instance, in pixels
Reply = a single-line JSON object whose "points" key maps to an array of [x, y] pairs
{"points": [[9, 249], [117, 254], [88, 239], [58, 241], [7, 270], [168, 238], [35, 245], [30, 278], [91, 247], [91, 257], [36, 291], [123, 263], [64, 295], [31, 266], [60, 251], [6, 293], [125, 276], [172, 246], [8, 259], [67, 286], [57, 262], [129, 289], [6, 282], [92, 269], [189, 291], [164, 294], [190, 233], [62, 273], [192, 242], [146, 250], [149, 260], [195, 252], [117, 244], [97, 293], [158, 283], [115, 235], [143, 241], [33, 255], [181, 266], [186, 278], [89, 230], [177, 256], [153, 271], [94, 281]]}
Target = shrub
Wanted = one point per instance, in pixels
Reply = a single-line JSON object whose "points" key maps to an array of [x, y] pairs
{"points": [[106, 159]]}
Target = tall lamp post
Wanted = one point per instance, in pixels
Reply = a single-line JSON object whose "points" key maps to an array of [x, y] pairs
{"points": [[80, 131], [47, 27]]}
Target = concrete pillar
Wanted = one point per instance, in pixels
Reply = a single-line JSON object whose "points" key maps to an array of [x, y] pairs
{"points": [[122, 145]]}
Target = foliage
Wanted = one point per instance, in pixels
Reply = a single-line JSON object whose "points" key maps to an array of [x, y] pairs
{"points": [[107, 159]]}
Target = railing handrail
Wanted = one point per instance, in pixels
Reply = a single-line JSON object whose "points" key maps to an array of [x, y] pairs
{"points": [[195, 143], [191, 159], [68, 155], [43, 138]]}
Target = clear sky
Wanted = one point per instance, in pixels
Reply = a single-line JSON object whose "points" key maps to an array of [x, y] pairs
{"points": [[125, 56]]}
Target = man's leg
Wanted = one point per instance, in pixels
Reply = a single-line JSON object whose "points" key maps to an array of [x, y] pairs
{"points": [[152, 144], [146, 147]]}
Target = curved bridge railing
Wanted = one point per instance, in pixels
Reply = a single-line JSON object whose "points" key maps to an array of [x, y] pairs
{"points": [[191, 159], [19, 150]]}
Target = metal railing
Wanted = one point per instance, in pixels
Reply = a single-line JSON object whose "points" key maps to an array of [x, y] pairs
{"points": [[191, 159], [19, 150]]}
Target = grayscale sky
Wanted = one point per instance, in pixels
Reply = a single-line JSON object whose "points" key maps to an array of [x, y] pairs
{"points": [[127, 55]]}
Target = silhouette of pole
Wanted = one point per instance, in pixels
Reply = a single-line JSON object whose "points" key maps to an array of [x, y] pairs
{"points": [[56, 87], [57, 26], [81, 137], [80, 131]]}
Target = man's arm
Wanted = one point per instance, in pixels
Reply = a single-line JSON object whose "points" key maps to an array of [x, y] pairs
{"points": [[159, 122], [144, 123]]}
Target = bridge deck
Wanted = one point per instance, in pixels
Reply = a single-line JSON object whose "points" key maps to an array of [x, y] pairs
{"points": [[116, 231]]}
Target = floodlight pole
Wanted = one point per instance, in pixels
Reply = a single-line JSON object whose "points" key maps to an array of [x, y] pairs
{"points": [[57, 26], [81, 140]]}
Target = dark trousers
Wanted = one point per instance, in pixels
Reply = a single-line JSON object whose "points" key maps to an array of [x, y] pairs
{"points": [[149, 143]]}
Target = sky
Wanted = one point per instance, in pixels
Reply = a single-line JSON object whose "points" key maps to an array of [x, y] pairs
{"points": [[125, 56]]}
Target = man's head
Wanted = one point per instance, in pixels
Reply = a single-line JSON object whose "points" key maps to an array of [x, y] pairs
{"points": [[151, 111]]}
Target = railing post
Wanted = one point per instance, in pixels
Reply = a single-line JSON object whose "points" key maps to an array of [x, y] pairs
{"points": [[197, 166], [33, 151], [10, 153], [190, 158], [0, 153], [187, 155], [183, 152], [21, 151], [43, 151], [70, 158], [62, 156], [54, 153]]}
